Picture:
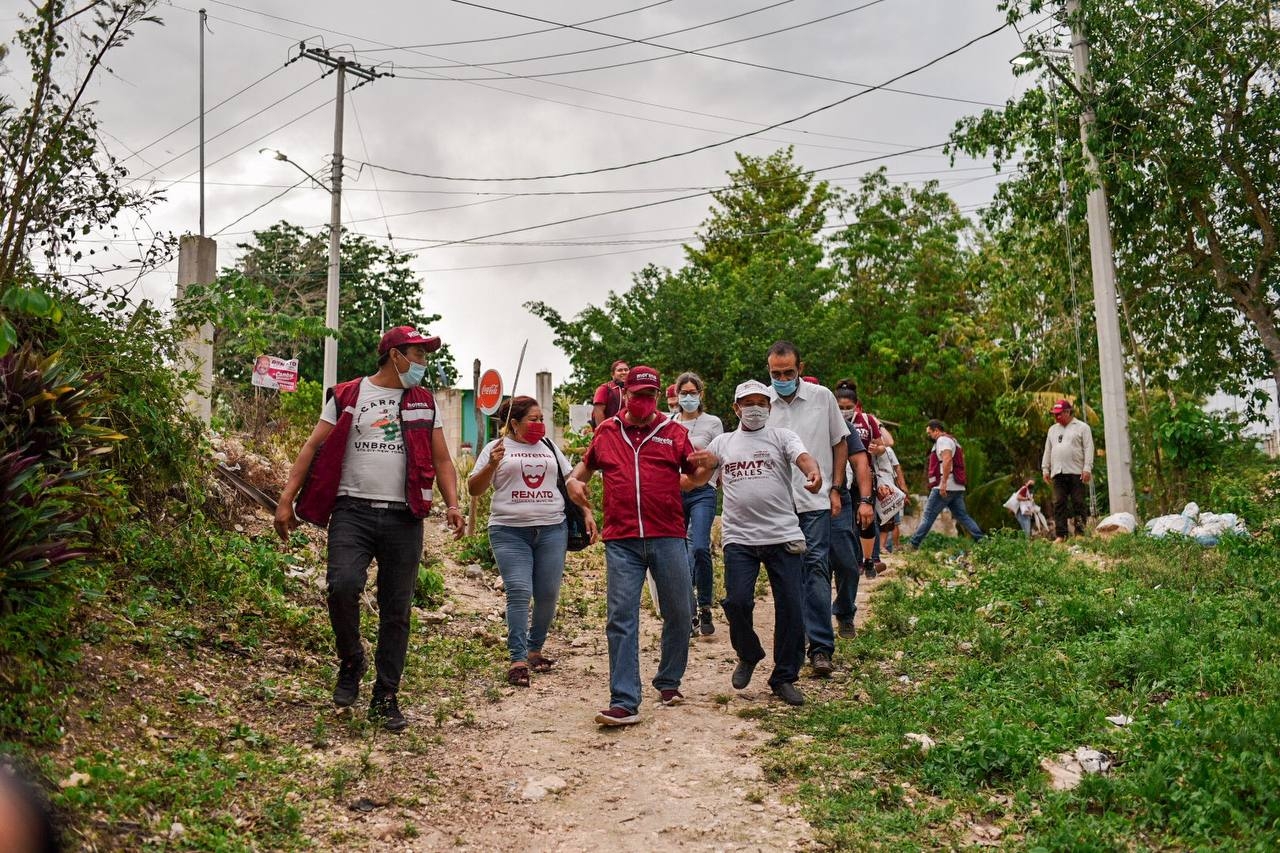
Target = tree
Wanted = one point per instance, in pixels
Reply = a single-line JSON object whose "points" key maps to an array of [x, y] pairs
{"points": [[1187, 104], [57, 184], [273, 301]]}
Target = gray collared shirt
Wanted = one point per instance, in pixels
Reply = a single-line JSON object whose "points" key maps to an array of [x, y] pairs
{"points": [[1068, 449]]}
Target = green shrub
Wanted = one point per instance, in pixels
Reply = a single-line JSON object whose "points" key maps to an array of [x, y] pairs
{"points": [[429, 591], [476, 549]]}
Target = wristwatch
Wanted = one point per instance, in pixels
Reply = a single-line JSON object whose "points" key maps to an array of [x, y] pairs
{"points": [[867, 500]]}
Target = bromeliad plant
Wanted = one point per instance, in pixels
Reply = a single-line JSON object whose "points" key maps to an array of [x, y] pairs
{"points": [[49, 436]]}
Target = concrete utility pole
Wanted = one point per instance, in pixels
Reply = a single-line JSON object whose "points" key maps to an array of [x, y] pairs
{"points": [[343, 67], [198, 264], [1115, 406]]}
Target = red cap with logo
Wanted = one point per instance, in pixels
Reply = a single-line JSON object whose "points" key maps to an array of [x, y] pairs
{"points": [[402, 336], [1061, 406], [642, 376]]}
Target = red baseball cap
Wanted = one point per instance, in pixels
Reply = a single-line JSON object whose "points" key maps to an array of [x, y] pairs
{"points": [[642, 376], [1061, 406], [671, 390], [407, 336], [812, 380]]}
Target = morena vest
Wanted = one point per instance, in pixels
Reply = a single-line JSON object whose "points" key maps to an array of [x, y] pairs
{"points": [[417, 423], [957, 465]]}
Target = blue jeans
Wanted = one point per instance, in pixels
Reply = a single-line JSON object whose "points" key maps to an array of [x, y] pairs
{"points": [[531, 562], [1024, 521], [741, 568], [846, 557], [816, 609], [627, 561], [954, 501], [359, 533], [699, 512]]}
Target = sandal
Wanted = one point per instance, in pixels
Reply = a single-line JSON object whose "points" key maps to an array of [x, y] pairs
{"points": [[518, 675], [538, 663]]}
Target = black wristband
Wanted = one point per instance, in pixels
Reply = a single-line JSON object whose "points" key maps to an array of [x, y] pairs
{"points": [[867, 500]]}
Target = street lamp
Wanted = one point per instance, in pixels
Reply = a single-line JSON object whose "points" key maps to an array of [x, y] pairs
{"points": [[335, 261]]}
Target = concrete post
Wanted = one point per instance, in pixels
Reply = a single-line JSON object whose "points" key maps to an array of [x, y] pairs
{"points": [[198, 264]]}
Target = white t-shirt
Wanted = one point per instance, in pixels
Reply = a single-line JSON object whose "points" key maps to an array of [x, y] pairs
{"points": [[701, 429], [525, 491], [945, 442], [813, 415], [374, 464], [755, 473]]}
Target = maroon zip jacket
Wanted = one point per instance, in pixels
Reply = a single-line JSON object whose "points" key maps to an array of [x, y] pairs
{"points": [[641, 477]]}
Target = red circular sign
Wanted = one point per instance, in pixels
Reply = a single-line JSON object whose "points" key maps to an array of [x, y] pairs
{"points": [[489, 394]]}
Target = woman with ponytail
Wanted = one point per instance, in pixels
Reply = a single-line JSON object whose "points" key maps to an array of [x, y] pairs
{"points": [[526, 528]]}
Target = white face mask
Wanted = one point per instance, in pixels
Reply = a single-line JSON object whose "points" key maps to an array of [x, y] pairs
{"points": [[753, 417]]}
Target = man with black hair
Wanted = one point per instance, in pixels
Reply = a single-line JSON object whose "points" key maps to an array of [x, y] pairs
{"points": [[810, 411], [366, 473], [947, 481]]}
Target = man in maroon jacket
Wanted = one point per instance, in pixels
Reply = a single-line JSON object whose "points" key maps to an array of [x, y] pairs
{"points": [[368, 469], [642, 455]]}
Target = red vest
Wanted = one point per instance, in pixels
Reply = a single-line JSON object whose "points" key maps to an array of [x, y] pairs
{"points": [[417, 423], [957, 465]]}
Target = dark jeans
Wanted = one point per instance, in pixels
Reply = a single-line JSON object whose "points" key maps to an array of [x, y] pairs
{"points": [[1068, 502], [699, 512], [846, 556], [741, 568], [816, 608], [358, 534]]}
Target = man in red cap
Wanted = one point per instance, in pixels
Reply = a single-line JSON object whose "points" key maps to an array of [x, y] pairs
{"points": [[366, 472], [1067, 465], [607, 401], [673, 400], [642, 456]]}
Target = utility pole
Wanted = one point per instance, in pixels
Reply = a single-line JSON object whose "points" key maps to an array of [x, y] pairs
{"points": [[1115, 406], [204, 18], [343, 67]]}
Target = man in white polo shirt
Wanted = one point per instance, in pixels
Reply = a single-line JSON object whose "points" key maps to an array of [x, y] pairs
{"points": [[810, 411], [755, 463]]}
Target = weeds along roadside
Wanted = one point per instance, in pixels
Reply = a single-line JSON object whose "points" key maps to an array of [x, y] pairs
{"points": [[1017, 653]]}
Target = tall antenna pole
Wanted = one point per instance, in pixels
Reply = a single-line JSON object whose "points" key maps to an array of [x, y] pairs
{"points": [[204, 17], [343, 66]]}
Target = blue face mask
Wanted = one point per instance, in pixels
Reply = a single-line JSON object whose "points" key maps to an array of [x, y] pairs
{"points": [[412, 377], [690, 402], [786, 388]]}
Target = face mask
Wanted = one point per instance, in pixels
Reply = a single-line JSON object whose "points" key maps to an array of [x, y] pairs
{"points": [[848, 415], [412, 378], [787, 388], [641, 408], [690, 402], [753, 417], [534, 431]]}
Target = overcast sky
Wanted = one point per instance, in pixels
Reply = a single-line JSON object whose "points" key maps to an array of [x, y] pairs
{"points": [[513, 123]]}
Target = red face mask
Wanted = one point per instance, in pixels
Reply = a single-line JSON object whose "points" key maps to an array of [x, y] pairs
{"points": [[534, 431], [641, 408]]}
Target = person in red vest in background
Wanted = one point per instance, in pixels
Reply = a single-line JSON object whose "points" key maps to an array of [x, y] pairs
{"points": [[607, 400], [947, 481], [366, 472]]}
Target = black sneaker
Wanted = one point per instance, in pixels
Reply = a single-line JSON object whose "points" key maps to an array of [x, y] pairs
{"points": [[788, 693], [821, 663], [387, 710], [846, 629], [742, 674], [869, 569], [705, 625], [348, 686]]}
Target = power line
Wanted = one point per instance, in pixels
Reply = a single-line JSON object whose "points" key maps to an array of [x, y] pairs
{"points": [[259, 207], [224, 131], [701, 148], [521, 35], [626, 41], [660, 202]]}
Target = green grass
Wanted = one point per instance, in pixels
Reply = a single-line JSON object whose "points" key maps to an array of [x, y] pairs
{"points": [[1018, 652]]}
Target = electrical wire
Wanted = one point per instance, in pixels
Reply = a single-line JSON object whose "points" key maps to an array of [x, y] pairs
{"points": [[710, 146], [274, 198], [624, 40]]}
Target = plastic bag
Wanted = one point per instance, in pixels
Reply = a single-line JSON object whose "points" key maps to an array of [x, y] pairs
{"points": [[1012, 503], [1166, 524], [1120, 522]]}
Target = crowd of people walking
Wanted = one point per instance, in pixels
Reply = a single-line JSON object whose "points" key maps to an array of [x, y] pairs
{"points": [[810, 486]]}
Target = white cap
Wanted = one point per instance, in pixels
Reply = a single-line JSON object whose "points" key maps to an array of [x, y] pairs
{"points": [[751, 386]]}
